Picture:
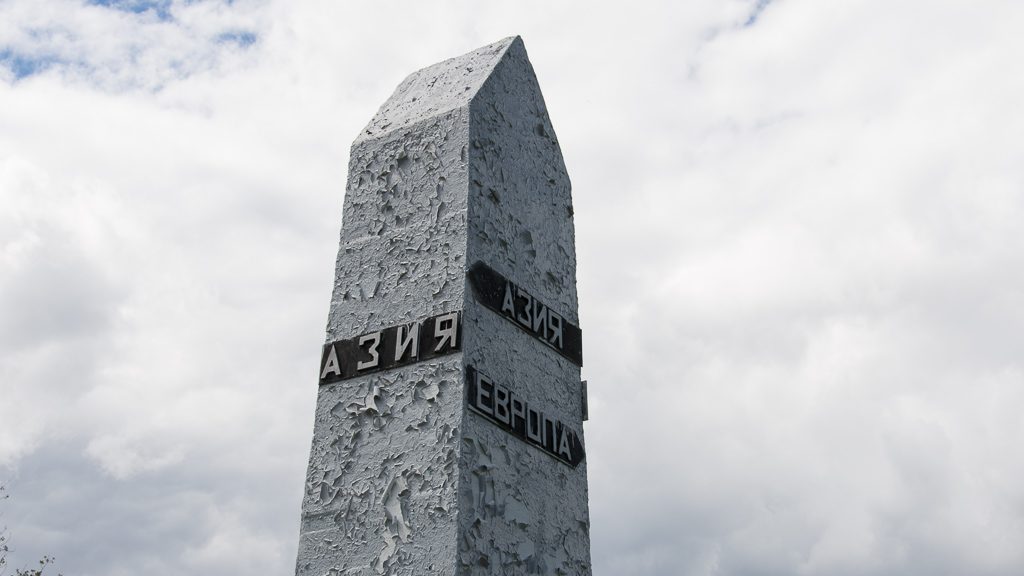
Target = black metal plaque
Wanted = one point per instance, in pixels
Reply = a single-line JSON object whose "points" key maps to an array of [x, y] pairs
{"points": [[391, 347], [525, 421], [524, 310]]}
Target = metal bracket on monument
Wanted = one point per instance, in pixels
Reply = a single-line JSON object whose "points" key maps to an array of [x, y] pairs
{"points": [[527, 312], [584, 401]]}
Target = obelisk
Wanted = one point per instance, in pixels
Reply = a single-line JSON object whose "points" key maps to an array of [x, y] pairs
{"points": [[449, 424]]}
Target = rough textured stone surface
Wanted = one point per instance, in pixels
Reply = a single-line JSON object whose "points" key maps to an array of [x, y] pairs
{"points": [[460, 164]]}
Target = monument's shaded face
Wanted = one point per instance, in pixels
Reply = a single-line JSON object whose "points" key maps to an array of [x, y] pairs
{"points": [[448, 435]]}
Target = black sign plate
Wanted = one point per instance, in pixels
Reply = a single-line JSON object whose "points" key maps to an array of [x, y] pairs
{"points": [[519, 307], [514, 414], [391, 347]]}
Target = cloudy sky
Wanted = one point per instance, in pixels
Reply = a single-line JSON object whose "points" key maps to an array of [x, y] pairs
{"points": [[800, 232]]}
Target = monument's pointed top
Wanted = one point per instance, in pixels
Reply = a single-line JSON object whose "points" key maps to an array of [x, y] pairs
{"points": [[438, 88]]}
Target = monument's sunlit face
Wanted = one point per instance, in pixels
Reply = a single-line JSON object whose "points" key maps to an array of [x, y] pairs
{"points": [[449, 424]]}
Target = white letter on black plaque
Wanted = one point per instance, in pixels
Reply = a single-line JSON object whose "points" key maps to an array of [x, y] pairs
{"points": [[332, 365], [549, 426], [446, 329], [540, 318], [501, 397], [374, 357], [408, 339], [484, 398], [563, 443], [518, 415], [507, 305], [527, 318], [555, 322], [535, 425]]}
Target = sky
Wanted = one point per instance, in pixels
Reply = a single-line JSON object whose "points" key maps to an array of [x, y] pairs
{"points": [[800, 271]]}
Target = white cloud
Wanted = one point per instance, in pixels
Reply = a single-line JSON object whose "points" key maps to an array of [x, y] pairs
{"points": [[799, 273]]}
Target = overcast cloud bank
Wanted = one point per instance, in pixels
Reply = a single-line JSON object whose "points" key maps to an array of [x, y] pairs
{"points": [[800, 273]]}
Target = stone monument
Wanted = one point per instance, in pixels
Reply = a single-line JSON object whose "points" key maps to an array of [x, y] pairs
{"points": [[449, 423]]}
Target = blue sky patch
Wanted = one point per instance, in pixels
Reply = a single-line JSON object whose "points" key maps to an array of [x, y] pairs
{"points": [[24, 66], [239, 37], [162, 8]]}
